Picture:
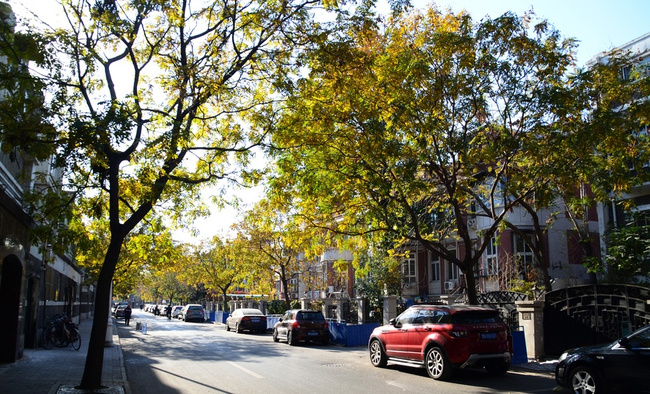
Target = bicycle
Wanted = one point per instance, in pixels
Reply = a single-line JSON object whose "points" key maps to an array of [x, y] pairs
{"points": [[60, 332]]}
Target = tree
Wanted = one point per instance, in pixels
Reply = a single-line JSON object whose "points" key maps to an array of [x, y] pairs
{"points": [[219, 267], [146, 103], [627, 255], [414, 127], [377, 272], [607, 121], [587, 157], [148, 249], [280, 245]]}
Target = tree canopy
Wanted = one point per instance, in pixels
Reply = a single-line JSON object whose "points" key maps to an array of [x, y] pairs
{"points": [[145, 100], [280, 244], [414, 126]]}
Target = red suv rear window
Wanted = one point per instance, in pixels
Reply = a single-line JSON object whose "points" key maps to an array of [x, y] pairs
{"points": [[476, 317]]}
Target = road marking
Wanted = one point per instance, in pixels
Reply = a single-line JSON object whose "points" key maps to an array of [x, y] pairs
{"points": [[248, 371], [396, 384]]}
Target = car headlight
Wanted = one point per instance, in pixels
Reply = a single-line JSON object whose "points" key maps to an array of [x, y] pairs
{"points": [[563, 356]]}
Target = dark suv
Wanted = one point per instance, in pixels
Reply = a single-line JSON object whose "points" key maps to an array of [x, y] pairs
{"points": [[302, 325], [443, 337]]}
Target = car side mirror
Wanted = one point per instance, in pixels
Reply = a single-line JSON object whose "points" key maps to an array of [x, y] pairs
{"points": [[392, 321], [624, 342], [280, 319]]}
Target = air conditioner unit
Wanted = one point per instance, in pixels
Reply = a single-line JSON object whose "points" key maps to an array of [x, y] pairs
{"points": [[471, 223], [449, 285]]}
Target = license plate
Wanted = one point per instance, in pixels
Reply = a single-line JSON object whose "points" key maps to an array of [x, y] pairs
{"points": [[488, 335], [255, 320], [312, 333]]}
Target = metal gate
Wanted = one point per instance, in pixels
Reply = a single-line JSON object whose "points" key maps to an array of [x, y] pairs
{"points": [[592, 314], [504, 301]]}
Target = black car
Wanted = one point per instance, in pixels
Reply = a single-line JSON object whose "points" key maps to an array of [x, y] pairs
{"points": [[623, 366], [302, 325]]}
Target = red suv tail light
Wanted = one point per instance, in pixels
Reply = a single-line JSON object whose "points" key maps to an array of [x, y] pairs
{"points": [[458, 334], [296, 325]]}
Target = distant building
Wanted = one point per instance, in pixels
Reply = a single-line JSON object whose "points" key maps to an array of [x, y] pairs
{"points": [[612, 214]]}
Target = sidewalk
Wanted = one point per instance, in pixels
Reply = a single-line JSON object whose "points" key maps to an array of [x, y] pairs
{"points": [[545, 366], [59, 370]]}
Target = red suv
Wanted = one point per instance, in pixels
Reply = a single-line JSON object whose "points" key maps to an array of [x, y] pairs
{"points": [[443, 337]]}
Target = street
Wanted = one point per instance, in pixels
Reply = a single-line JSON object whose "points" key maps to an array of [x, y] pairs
{"points": [[179, 357]]}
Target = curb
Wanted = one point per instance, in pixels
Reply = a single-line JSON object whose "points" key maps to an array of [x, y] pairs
{"points": [[125, 382]]}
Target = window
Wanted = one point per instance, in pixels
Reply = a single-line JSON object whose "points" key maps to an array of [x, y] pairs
{"points": [[523, 256], [451, 270], [625, 72], [431, 316], [310, 315], [409, 273], [435, 267], [490, 258], [408, 316], [293, 284]]}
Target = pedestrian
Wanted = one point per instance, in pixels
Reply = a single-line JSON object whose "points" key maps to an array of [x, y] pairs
{"points": [[127, 314], [168, 312]]}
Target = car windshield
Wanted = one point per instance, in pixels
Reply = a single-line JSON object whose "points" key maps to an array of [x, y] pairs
{"points": [[640, 339], [195, 308], [476, 317], [310, 316]]}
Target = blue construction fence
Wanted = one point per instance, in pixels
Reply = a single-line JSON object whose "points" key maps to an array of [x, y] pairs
{"points": [[519, 354], [219, 316], [351, 334]]}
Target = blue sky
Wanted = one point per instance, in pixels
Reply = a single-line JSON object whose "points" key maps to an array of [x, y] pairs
{"points": [[599, 25]]}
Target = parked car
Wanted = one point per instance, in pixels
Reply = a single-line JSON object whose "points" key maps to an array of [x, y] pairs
{"points": [[193, 312], [302, 325], [119, 311], [114, 308], [442, 338], [176, 312], [621, 366], [246, 319]]}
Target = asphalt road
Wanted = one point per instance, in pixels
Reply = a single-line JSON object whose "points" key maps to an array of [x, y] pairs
{"points": [[179, 357]]}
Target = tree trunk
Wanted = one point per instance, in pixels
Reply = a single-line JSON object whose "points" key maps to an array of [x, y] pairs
{"points": [[285, 286], [92, 376], [588, 251], [470, 282]]}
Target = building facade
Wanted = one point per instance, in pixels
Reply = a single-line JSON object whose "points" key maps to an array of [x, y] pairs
{"points": [[34, 282]]}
